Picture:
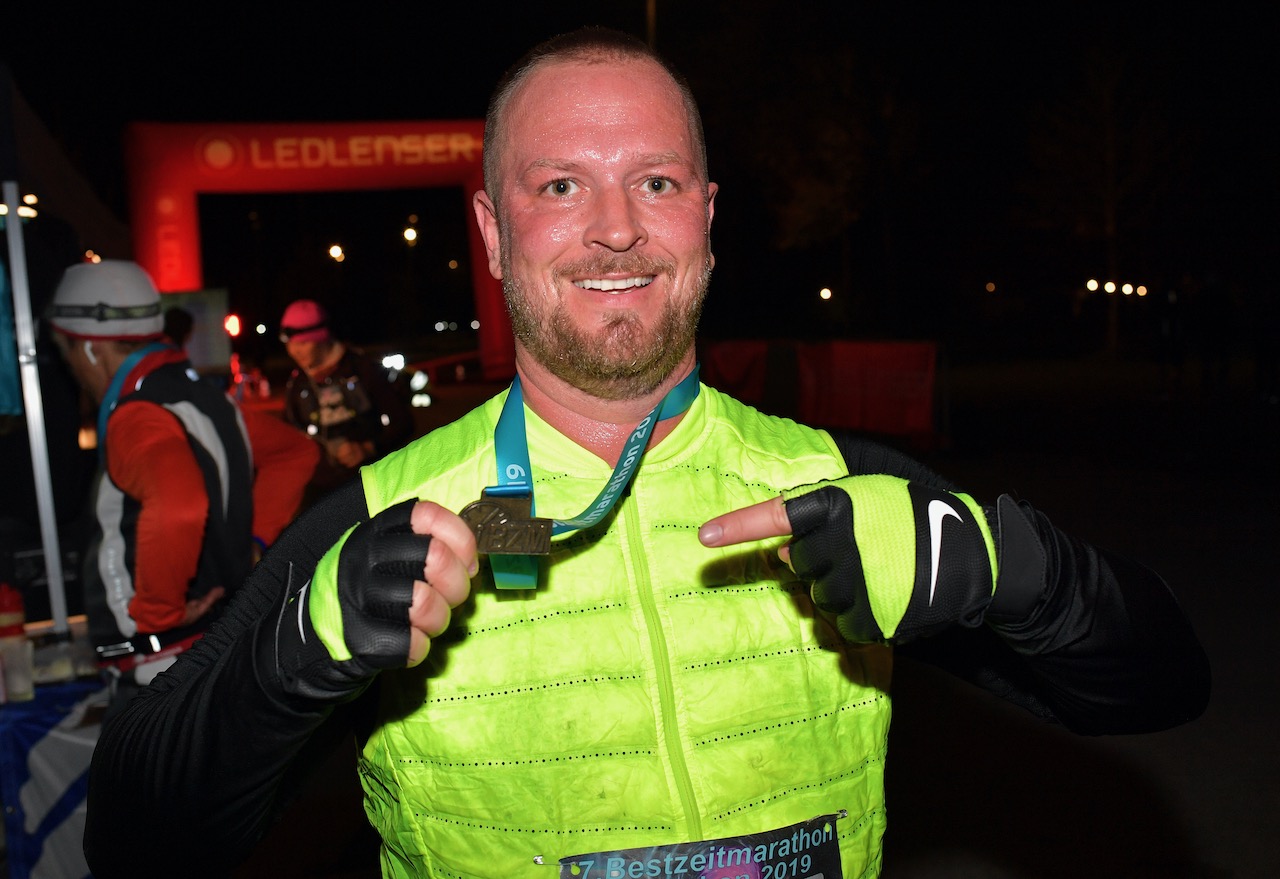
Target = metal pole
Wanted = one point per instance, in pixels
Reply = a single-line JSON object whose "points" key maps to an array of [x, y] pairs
{"points": [[34, 404]]}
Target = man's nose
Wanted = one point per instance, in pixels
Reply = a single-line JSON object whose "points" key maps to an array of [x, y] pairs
{"points": [[615, 220]]}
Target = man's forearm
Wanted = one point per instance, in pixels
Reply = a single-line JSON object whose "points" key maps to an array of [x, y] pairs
{"points": [[1098, 641], [1108, 646]]}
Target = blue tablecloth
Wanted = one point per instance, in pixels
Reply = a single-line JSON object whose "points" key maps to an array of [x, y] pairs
{"points": [[45, 747]]}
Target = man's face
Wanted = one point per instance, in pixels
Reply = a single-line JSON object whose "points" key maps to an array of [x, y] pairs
{"points": [[87, 373], [602, 243], [309, 353]]}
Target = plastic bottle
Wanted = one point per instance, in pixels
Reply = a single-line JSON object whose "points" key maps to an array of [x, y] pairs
{"points": [[17, 654]]}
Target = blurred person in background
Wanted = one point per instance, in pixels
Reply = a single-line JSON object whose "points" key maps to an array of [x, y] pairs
{"points": [[191, 489], [339, 397], [178, 326]]}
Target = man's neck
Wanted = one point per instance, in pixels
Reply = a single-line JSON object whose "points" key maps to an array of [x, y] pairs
{"points": [[599, 426]]}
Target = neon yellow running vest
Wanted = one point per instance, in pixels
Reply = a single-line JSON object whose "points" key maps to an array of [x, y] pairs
{"points": [[651, 691]]}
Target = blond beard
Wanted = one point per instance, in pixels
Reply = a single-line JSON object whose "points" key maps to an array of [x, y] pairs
{"points": [[620, 360]]}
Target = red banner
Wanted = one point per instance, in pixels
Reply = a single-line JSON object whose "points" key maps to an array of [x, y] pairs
{"points": [[170, 164], [875, 387]]}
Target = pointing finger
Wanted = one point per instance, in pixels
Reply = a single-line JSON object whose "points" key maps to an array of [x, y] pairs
{"points": [[756, 522]]}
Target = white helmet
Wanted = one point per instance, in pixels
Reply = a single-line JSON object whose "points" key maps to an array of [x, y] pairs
{"points": [[112, 299]]}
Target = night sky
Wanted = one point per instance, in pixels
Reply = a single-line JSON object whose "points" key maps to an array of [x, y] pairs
{"points": [[904, 154]]}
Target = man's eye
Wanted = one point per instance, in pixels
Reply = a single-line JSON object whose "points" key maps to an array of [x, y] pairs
{"points": [[562, 187], [659, 184]]}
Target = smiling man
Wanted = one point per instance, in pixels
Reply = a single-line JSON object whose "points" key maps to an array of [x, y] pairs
{"points": [[572, 621], [598, 226]]}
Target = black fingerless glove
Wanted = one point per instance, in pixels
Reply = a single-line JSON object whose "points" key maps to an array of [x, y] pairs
{"points": [[333, 633], [892, 560]]}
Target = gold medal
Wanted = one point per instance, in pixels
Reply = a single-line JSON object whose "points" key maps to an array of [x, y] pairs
{"points": [[504, 525]]}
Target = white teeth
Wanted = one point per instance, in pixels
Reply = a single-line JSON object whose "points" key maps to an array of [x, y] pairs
{"points": [[609, 285]]}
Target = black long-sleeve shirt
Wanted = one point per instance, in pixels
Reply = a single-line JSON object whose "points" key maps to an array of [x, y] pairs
{"points": [[213, 749]]}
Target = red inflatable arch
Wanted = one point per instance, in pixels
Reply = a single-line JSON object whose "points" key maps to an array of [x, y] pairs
{"points": [[170, 164]]}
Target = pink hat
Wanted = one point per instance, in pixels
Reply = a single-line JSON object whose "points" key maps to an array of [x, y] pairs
{"points": [[305, 320]]}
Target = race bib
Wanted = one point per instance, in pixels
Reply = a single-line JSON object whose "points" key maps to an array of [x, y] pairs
{"points": [[809, 850]]}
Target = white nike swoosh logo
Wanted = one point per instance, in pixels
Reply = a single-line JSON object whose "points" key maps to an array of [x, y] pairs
{"points": [[938, 510], [302, 608]]}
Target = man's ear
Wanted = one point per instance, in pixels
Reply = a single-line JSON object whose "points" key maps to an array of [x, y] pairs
{"points": [[712, 189], [487, 220]]}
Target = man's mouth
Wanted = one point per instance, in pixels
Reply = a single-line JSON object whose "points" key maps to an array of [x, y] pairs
{"points": [[614, 285]]}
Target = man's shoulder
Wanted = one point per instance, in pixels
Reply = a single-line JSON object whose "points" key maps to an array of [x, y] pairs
{"points": [[139, 413], [358, 362], [731, 413], [762, 436], [463, 431], [439, 451], [176, 382]]}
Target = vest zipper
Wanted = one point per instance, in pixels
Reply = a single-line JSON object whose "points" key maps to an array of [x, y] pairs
{"points": [[662, 665]]}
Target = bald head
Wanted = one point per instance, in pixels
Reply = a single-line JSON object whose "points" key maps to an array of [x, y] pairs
{"points": [[589, 45]]}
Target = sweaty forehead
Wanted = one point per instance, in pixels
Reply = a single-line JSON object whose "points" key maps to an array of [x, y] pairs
{"points": [[602, 105]]}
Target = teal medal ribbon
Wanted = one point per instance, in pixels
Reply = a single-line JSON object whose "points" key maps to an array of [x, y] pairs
{"points": [[515, 480], [112, 396]]}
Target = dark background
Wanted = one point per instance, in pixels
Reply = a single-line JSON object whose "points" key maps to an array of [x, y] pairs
{"points": [[903, 154]]}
